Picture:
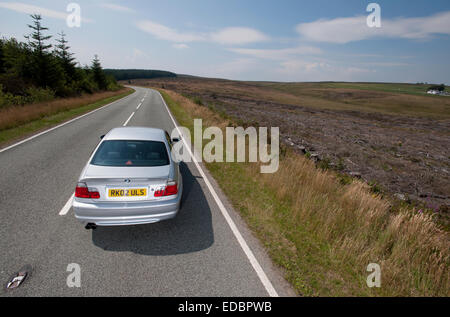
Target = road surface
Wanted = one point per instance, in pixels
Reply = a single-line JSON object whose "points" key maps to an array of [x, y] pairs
{"points": [[196, 254]]}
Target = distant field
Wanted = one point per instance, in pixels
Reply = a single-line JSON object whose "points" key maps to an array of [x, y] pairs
{"points": [[415, 89], [402, 99]]}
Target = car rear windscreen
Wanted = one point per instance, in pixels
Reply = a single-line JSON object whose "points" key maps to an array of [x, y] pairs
{"points": [[131, 153]]}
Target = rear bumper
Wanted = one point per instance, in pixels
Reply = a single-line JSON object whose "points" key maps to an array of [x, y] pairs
{"points": [[122, 214]]}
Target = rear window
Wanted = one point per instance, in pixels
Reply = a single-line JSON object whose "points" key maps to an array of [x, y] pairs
{"points": [[131, 153]]}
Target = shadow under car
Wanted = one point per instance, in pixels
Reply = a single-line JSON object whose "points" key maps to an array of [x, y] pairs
{"points": [[190, 231]]}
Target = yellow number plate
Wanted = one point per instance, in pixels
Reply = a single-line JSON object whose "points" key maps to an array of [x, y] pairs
{"points": [[132, 192]]}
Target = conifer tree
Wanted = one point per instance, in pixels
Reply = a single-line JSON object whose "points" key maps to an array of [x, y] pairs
{"points": [[42, 66], [99, 75], [65, 56]]}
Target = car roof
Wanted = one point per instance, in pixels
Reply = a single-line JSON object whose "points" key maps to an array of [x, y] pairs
{"points": [[136, 133]]}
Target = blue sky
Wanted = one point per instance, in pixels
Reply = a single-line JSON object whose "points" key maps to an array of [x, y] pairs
{"points": [[286, 40]]}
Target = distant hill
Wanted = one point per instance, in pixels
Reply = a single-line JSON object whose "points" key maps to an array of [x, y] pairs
{"points": [[125, 74]]}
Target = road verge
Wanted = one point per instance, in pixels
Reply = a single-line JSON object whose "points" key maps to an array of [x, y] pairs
{"points": [[61, 110]]}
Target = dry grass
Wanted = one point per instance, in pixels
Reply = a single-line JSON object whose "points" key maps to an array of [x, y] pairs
{"points": [[360, 228], [324, 234], [15, 116]]}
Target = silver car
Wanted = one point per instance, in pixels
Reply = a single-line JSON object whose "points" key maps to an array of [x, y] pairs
{"points": [[130, 179]]}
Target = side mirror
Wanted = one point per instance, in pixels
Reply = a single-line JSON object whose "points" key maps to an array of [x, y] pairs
{"points": [[101, 137], [175, 140]]}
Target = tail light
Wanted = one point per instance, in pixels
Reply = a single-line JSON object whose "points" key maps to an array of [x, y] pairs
{"points": [[82, 191], [170, 190]]}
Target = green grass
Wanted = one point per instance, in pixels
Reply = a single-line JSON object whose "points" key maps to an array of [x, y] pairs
{"points": [[385, 98], [412, 89], [179, 113], [6, 136], [305, 259]]}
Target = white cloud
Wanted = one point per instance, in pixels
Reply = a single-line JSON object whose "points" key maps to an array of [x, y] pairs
{"points": [[138, 53], [136, 58], [180, 46], [277, 54], [32, 9], [345, 30], [320, 70], [238, 35], [115, 7], [299, 62], [163, 32], [293, 66], [387, 64], [235, 67], [231, 35]]}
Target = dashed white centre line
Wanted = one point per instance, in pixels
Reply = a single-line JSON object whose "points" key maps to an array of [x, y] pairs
{"points": [[67, 206], [126, 122]]}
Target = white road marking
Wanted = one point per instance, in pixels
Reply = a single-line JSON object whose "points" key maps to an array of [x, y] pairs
{"points": [[61, 125], [142, 99], [67, 206], [248, 252], [139, 106], [126, 122]]}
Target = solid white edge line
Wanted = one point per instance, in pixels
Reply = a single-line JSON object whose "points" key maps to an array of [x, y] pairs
{"points": [[61, 125], [248, 252], [67, 206], [128, 120]]}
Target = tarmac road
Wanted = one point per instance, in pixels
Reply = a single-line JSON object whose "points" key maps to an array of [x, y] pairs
{"points": [[195, 254]]}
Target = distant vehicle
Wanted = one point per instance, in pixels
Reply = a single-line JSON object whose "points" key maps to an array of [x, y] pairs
{"points": [[129, 179], [437, 92]]}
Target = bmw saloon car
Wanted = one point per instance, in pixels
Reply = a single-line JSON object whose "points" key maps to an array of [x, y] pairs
{"points": [[130, 179]]}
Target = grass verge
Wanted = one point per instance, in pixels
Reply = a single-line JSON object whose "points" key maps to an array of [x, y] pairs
{"points": [[324, 233], [22, 121]]}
